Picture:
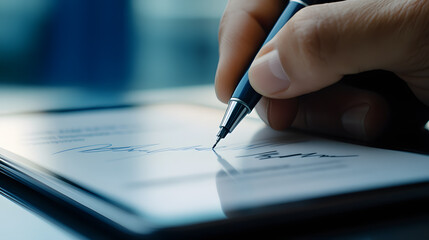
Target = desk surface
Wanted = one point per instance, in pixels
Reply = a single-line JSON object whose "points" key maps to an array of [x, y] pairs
{"points": [[24, 99]]}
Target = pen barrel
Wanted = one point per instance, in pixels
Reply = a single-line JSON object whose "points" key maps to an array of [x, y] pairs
{"points": [[246, 93], [293, 7], [244, 90]]}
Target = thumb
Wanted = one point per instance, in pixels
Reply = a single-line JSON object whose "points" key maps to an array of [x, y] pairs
{"points": [[322, 43]]}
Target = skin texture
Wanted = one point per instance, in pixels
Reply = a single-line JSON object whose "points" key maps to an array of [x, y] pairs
{"points": [[298, 71]]}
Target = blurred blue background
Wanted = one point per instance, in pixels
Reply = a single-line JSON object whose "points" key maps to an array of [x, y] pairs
{"points": [[109, 44]]}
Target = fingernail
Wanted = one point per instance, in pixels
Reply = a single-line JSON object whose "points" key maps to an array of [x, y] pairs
{"points": [[267, 74], [353, 120]]}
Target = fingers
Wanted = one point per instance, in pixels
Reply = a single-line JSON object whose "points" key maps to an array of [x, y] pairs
{"points": [[340, 111], [243, 28], [322, 43], [277, 113]]}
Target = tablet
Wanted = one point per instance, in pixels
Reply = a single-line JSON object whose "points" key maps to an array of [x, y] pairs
{"points": [[150, 171]]}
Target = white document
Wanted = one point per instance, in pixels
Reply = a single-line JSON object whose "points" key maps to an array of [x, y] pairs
{"points": [[152, 166]]}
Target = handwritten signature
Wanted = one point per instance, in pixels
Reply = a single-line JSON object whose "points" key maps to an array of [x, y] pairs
{"points": [[147, 148], [155, 148], [276, 154]]}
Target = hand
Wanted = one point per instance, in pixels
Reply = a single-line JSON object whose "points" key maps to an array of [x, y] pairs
{"points": [[314, 50]]}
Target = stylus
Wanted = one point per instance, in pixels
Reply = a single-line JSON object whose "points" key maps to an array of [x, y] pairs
{"points": [[244, 98]]}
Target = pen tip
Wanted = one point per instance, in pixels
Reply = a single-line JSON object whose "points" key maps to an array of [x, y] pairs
{"points": [[217, 140]]}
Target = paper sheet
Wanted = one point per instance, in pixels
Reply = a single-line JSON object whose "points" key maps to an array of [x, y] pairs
{"points": [[157, 160]]}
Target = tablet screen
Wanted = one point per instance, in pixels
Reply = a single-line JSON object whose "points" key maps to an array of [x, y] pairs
{"points": [[150, 167]]}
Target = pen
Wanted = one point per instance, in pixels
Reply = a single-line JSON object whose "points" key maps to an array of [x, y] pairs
{"points": [[244, 98]]}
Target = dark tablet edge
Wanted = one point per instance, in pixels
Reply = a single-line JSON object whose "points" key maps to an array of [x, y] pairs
{"points": [[318, 216]]}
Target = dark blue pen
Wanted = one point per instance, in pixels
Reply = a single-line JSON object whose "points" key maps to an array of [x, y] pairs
{"points": [[244, 98]]}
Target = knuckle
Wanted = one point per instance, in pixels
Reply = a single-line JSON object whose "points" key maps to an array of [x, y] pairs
{"points": [[414, 33], [421, 39]]}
